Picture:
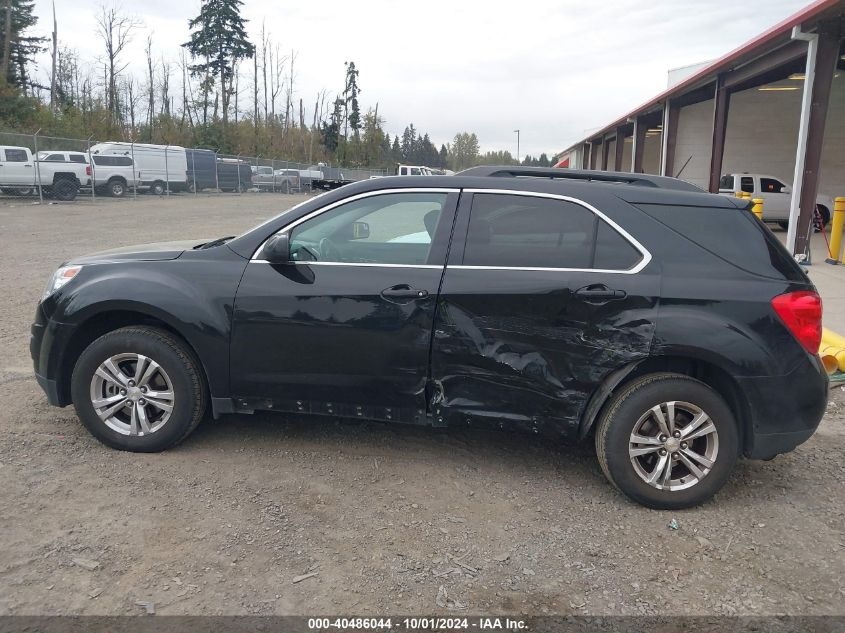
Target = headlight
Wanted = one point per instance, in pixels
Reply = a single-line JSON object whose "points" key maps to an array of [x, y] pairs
{"points": [[60, 278]]}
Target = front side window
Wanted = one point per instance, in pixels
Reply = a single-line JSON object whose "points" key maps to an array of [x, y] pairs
{"points": [[726, 182], [395, 228], [770, 185], [16, 155], [513, 231]]}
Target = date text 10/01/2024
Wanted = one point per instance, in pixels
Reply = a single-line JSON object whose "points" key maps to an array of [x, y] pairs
{"points": [[416, 623]]}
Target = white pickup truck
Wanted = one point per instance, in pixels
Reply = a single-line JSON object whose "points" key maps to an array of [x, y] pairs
{"points": [[20, 174], [776, 196]]}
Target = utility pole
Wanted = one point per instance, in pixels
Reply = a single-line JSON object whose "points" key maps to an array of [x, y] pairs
{"points": [[517, 146]]}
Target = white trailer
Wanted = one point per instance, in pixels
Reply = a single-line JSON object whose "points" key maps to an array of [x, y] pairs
{"points": [[158, 168]]}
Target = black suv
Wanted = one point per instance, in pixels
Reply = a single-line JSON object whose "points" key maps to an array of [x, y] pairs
{"points": [[667, 324]]}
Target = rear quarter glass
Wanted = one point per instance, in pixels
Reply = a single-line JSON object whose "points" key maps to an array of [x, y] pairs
{"points": [[733, 235]]}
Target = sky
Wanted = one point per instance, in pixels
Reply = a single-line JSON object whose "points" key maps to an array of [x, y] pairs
{"points": [[554, 69]]}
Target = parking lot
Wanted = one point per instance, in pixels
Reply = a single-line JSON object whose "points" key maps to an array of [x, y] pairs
{"points": [[265, 515]]}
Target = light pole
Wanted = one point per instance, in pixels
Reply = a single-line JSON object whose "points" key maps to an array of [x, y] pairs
{"points": [[517, 146]]}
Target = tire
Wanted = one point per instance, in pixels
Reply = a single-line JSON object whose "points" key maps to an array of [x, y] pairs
{"points": [[178, 375], [116, 187], [65, 190], [158, 188], [191, 187], [286, 187], [624, 414]]}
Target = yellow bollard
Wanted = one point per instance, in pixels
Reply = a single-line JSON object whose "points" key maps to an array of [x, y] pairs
{"points": [[833, 255], [739, 194], [757, 209]]}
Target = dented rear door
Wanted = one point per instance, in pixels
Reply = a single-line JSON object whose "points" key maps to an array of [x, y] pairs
{"points": [[527, 345]]}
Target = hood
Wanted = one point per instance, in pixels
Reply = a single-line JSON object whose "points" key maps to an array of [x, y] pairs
{"points": [[158, 251]]}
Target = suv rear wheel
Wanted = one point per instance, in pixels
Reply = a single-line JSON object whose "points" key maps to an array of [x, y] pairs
{"points": [[138, 389], [667, 441]]}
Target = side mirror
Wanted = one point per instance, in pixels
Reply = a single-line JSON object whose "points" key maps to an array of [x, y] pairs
{"points": [[360, 230], [786, 189], [354, 231], [277, 250]]}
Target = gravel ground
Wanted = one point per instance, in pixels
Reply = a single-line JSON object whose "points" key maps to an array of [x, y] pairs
{"points": [[379, 518]]}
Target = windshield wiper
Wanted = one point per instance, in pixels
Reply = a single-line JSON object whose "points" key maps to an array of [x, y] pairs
{"points": [[213, 243]]}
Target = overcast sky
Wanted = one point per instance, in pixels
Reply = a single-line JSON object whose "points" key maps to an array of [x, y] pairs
{"points": [[553, 69]]}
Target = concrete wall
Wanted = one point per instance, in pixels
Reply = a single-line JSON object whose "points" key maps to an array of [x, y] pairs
{"points": [[762, 136]]}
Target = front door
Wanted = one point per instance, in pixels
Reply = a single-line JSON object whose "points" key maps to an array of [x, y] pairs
{"points": [[546, 300], [775, 202], [16, 167], [345, 327]]}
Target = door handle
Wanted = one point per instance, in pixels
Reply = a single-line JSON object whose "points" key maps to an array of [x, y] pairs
{"points": [[599, 293], [403, 291]]}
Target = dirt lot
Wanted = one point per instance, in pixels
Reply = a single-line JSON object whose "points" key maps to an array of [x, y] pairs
{"points": [[384, 516]]}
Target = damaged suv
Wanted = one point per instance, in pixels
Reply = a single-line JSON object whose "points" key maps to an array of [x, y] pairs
{"points": [[667, 325]]}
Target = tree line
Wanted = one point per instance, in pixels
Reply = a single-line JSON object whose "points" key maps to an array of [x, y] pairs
{"points": [[224, 92]]}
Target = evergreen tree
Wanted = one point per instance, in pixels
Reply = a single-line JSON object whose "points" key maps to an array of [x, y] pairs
{"points": [[444, 157], [544, 161], [350, 95], [20, 50], [219, 41]]}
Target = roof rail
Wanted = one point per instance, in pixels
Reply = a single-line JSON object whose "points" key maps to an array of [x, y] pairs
{"points": [[515, 171]]}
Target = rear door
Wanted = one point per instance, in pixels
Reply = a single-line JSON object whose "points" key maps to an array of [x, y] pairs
{"points": [[345, 327], [546, 297]]}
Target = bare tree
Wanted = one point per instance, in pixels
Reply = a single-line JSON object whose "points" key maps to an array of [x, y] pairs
{"points": [[265, 44], [165, 88], [151, 96], [54, 60], [115, 29]]}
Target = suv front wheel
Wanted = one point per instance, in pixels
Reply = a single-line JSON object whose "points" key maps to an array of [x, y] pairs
{"points": [[138, 389], [667, 441]]}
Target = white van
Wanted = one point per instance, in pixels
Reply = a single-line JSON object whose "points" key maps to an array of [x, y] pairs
{"points": [[158, 168]]}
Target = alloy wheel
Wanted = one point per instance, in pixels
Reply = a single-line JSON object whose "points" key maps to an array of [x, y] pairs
{"points": [[132, 394], [673, 445]]}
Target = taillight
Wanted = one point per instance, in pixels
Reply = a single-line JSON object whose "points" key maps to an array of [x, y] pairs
{"points": [[801, 312], [88, 170]]}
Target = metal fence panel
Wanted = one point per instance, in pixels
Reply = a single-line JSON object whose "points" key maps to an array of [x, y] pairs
{"points": [[37, 168]]}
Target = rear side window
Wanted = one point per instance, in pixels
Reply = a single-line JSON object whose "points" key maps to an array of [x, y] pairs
{"points": [[78, 158], [113, 161], [733, 235], [515, 231], [746, 183]]}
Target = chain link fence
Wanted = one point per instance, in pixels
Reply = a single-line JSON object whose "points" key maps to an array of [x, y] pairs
{"points": [[38, 168]]}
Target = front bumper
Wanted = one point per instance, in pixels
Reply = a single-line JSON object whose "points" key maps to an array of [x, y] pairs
{"points": [[785, 410], [44, 350]]}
